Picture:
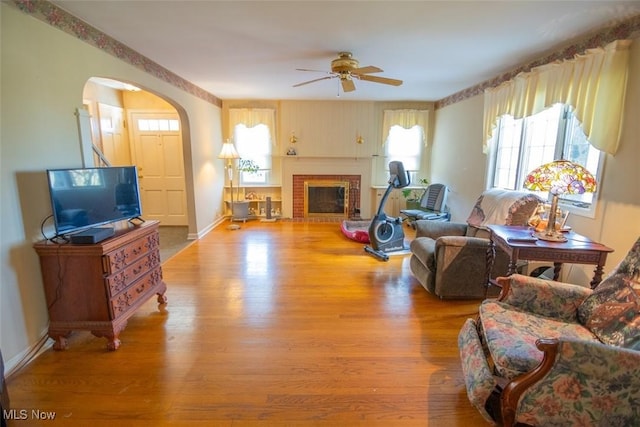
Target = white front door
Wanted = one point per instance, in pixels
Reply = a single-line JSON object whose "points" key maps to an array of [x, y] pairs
{"points": [[157, 139]]}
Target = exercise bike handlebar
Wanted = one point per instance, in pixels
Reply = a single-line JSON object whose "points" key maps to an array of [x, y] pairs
{"points": [[398, 178]]}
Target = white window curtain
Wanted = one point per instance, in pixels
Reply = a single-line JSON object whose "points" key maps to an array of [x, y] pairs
{"points": [[593, 83], [405, 119], [251, 117]]}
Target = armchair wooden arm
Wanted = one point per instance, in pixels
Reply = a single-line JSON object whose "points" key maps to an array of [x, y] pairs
{"points": [[514, 389], [604, 380]]}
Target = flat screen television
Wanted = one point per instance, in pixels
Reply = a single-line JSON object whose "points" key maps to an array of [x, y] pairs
{"points": [[90, 197]]}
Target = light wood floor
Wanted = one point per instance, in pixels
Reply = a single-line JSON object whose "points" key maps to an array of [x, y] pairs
{"points": [[276, 324]]}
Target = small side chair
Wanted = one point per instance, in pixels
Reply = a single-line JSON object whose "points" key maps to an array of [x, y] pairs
{"points": [[432, 205]]}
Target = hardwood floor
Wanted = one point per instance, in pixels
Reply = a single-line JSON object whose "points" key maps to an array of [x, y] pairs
{"points": [[275, 324]]}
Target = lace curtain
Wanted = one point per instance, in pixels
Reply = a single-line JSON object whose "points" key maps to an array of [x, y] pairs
{"points": [[251, 117], [406, 119], [593, 83]]}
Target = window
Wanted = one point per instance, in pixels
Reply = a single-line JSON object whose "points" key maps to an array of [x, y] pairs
{"points": [[405, 145], [159, 125], [254, 144], [521, 145]]}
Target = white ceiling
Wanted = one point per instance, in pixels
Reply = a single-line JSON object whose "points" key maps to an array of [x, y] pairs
{"points": [[251, 49]]}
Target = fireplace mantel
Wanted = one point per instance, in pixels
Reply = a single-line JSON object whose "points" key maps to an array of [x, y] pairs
{"points": [[294, 165]]}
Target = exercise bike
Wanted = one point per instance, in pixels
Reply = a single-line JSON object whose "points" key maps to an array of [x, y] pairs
{"points": [[385, 233]]}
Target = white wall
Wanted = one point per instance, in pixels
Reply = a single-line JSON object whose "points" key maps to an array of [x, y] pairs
{"points": [[456, 155], [43, 73], [458, 161]]}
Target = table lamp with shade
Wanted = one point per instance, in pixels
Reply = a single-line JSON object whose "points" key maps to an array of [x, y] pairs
{"points": [[559, 177], [229, 153]]}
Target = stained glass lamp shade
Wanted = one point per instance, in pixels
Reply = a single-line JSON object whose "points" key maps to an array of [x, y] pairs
{"points": [[559, 177]]}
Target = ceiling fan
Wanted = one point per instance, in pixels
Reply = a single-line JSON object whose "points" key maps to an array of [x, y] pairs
{"points": [[346, 68]]}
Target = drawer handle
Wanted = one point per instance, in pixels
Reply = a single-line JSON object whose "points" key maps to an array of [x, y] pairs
{"points": [[137, 250], [137, 271]]}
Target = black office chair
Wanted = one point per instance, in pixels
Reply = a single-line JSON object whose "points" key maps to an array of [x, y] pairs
{"points": [[432, 205]]}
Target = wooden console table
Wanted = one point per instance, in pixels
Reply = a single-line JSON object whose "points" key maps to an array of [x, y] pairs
{"points": [[577, 249], [97, 287]]}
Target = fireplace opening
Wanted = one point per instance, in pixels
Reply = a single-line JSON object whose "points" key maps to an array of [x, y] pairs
{"points": [[326, 198], [299, 194]]}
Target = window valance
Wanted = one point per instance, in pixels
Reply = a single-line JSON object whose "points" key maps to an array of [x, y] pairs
{"points": [[251, 117], [593, 83], [406, 119]]}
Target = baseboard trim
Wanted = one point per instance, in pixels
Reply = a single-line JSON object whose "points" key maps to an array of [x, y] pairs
{"points": [[27, 356], [200, 234]]}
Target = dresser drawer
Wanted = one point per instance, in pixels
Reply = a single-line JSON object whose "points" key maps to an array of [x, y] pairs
{"points": [[120, 281], [120, 258], [137, 293]]}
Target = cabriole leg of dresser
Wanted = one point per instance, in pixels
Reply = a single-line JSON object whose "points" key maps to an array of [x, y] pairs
{"points": [[112, 335], [113, 343], [60, 338], [162, 298]]}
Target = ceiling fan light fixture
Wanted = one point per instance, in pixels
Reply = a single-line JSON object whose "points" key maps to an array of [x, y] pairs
{"points": [[344, 64], [346, 68]]}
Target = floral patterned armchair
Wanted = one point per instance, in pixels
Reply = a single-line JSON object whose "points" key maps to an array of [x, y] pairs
{"points": [[548, 353]]}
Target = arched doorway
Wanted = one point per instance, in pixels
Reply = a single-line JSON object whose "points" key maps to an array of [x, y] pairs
{"points": [[131, 126]]}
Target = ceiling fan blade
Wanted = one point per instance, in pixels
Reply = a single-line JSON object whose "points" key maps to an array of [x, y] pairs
{"points": [[315, 71], [366, 70], [315, 80], [383, 80], [348, 85]]}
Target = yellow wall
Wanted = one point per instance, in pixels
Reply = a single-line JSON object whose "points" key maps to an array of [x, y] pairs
{"points": [[142, 100]]}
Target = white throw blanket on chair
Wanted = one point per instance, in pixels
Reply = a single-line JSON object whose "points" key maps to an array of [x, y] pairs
{"points": [[496, 206]]}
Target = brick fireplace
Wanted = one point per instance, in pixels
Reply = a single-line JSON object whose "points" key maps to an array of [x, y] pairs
{"points": [[353, 182], [297, 169]]}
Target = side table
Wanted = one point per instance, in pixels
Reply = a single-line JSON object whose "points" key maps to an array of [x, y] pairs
{"points": [[518, 243]]}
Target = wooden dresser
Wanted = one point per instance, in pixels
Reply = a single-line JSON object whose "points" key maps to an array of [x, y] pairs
{"points": [[97, 287]]}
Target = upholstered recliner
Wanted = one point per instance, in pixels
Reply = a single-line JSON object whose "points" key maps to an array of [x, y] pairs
{"points": [[449, 259], [548, 353]]}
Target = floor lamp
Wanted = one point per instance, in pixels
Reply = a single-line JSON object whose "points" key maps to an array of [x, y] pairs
{"points": [[229, 152]]}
